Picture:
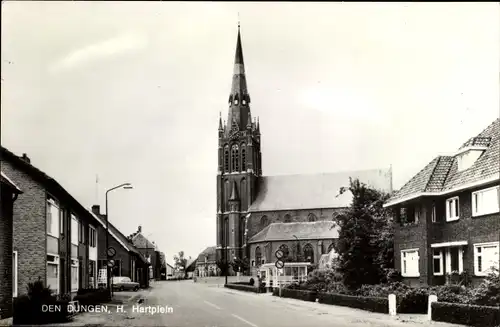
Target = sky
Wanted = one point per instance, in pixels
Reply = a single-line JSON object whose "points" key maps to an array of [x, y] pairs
{"points": [[131, 92]]}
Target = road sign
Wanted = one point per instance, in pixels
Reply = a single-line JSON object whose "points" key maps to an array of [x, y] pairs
{"points": [[279, 254], [111, 263], [279, 264], [111, 252]]}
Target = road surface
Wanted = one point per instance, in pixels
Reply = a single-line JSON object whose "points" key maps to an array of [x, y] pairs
{"points": [[196, 305]]}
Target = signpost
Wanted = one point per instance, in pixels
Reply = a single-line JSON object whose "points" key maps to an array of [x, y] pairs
{"points": [[279, 264], [111, 252]]}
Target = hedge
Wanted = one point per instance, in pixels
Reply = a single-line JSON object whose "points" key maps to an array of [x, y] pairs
{"points": [[470, 315], [296, 294], [246, 288], [373, 304]]}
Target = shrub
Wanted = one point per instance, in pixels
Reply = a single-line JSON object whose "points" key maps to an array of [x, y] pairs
{"points": [[452, 294], [470, 315], [251, 282], [413, 301], [373, 304], [488, 292], [31, 308]]}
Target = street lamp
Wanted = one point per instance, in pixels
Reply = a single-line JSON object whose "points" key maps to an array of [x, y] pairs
{"points": [[126, 186]]}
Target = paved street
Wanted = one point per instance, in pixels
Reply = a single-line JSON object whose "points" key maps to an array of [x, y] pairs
{"points": [[197, 305]]}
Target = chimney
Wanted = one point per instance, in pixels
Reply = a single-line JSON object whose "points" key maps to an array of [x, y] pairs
{"points": [[139, 229], [26, 158], [96, 209]]}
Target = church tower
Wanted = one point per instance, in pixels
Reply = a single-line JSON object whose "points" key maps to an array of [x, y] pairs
{"points": [[239, 165]]}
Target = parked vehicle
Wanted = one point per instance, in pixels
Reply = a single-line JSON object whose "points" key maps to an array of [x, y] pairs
{"points": [[124, 284]]}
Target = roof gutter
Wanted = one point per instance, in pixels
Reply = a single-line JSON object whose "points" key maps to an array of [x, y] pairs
{"points": [[493, 178]]}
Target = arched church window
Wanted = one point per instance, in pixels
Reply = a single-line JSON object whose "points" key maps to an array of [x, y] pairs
{"points": [[264, 221], [227, 191], [288, 219], [243, 102], [311, 217], [243, 157], [309, 253], [235, 157], [285, 250], [226, 159], [236, 99], [242, 230], [258, 256]]}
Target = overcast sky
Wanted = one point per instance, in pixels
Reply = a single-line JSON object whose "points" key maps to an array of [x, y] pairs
{"points": [[132, 91]]}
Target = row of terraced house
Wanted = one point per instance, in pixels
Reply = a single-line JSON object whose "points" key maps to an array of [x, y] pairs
{"points": [[46, 234]]}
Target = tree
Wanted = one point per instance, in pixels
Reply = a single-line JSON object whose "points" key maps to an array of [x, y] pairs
{"points": [[223, 266], [180, 262], [365, 237], [240, 265]]}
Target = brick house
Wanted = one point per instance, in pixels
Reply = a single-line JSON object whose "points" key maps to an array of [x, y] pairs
{"points": [[129, 262], [206, 263], [149, 250], [447, 215], [8, 193], [51, 230]]}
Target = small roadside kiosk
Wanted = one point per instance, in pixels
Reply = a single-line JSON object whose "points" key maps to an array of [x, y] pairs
{"points": [[292, 272]]}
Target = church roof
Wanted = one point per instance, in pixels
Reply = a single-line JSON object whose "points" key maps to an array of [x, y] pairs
{"points": [[302, 230], [295, 192]]}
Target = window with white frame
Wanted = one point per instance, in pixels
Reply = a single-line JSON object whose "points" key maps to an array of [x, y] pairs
{"points": [[74, 230], [416, 214], [53, 218], [454, 259], [92, 237], [485, 201], [74, 275], [452, 209], [437, 262], [409, 263], [14, 273], [53, 272], [485, 258], [433, 213]]}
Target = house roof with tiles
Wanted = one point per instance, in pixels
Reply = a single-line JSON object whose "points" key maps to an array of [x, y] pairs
{"points": [[209, 253], [442, 175], [296, 192], [9, 183], [23, 163], [302, 230]]}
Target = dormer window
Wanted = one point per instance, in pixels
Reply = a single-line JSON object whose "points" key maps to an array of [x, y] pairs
{"points": [[471, 151]]}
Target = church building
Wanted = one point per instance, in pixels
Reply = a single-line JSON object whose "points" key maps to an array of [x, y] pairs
{"points": [[256, 214]]}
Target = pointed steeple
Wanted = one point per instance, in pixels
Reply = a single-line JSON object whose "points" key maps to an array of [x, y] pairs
{"points": [[239, 99], [220, 121], [234, 193]]}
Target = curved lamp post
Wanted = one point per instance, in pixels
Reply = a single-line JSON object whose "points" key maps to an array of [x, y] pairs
{"points": [[126, 186]]}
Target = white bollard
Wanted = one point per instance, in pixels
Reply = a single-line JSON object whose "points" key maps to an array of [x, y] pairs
{"points": [[392, 304], [432, 299]]}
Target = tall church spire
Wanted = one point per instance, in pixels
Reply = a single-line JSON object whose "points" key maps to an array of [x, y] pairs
{"points": [[239, 99]]}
